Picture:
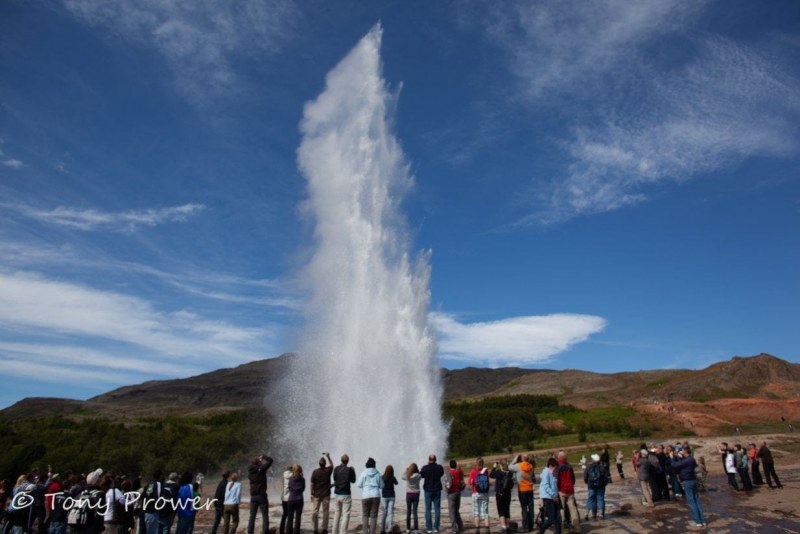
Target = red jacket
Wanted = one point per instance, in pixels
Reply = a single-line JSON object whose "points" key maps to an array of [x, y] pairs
{"points": [[565, 478]]}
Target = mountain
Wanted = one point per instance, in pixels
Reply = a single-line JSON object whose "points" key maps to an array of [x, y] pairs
{"points": [[757, 377]]}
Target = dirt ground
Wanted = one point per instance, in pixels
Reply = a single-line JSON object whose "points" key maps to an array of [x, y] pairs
{"points": [[760, 511]]}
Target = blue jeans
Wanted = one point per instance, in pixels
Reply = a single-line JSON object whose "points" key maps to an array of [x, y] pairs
{"points": [[597, 499], [387, 519], [185, 525], [165, 523], [433, 499], [58, 528], [693, 500], [151, 522]]}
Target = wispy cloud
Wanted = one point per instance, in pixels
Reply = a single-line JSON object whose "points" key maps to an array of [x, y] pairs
{"points": [[651, 98], [513, 341], [31, 305], [91, 219], [13, 163], [201, 40]]}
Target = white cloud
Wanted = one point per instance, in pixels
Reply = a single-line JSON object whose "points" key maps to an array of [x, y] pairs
{"points": [[513, 341], [90, 219], [13, 163], [31, 305], [200, 39], [649, 94]]}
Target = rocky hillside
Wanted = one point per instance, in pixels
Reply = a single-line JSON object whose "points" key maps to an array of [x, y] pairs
{"points": [[763, 376]]}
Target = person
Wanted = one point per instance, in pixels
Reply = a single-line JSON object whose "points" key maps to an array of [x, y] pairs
{"points": [[566, 492], [287, 474], [752, 456], [644, 471], [387, 498], [479, 483], [548, 490], [740, 457], [523, 471], [95, 496], [113, 512], [231, 499], [219, 501], [412, 478], [257, 474], [765, 455], [620, 457], [432, 473], [343, 477], [455, 485], [605, 462], [686, 467], [58, 516], [321, 492], [503, 487], [186, 500], [701, 473], [595, 479], [150, 502], [371, 483], [294, 503], [730, 468], [199, 481]]}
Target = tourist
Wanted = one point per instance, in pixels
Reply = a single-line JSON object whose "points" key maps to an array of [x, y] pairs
{"points": [[231, 499], [644, 473], [686, 466], [412, 478], [387, 498], [294, 503], [321, 493], [257, 474], [112, 514], [740, 457], [730, 468], [287, 474], [58, 515], [565, 476], [701, 473], [620, 457], [523, 471], [548, 490], [219, 501], [596, 480], [455, 485], [150, 504], [752, 456], [503, 487], [765, 455], [605, 462], [343, 477], [371, 483], [186, 510], [479, 482], [432, 473]]}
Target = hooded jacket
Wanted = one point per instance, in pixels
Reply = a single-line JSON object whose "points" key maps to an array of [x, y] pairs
{"points": [[371, 482]]}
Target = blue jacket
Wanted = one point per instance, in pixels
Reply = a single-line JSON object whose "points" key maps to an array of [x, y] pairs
{"points": [[548, 487], [370, 482], [685, 468]]}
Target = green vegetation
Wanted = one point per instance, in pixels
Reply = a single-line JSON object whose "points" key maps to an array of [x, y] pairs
{"points": [[657, 383], [130, 446]]}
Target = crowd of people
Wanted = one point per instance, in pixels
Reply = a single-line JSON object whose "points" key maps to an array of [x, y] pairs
{"points": [[104, 501]]}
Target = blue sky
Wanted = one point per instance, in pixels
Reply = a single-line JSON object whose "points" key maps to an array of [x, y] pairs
{"points": [[602, 185]]}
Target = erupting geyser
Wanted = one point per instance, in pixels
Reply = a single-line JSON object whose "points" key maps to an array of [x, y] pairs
{"points": [[366, 380]]}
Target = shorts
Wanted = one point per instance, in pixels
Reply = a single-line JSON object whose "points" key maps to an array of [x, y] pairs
{"points": [[480, 505]]}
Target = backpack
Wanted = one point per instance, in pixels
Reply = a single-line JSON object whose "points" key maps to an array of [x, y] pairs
{"points": [[150, 497], [83, 511], [508, 483], [482, 481], [595, 475]]}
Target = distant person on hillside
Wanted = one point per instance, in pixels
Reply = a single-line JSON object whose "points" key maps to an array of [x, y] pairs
{"points": [[523, 471], [503, 486], [595, 479], [343, 477], [479, 482], [455, 485], [548, 490], [219, 501], [566, 493], [765, 455], [321, 493], [387, 499], [257, 473], [686, 466], [371, 482], [644, 472], [742, 467], [412, 478], [752, 456], [620, 457], [432, 473]]}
